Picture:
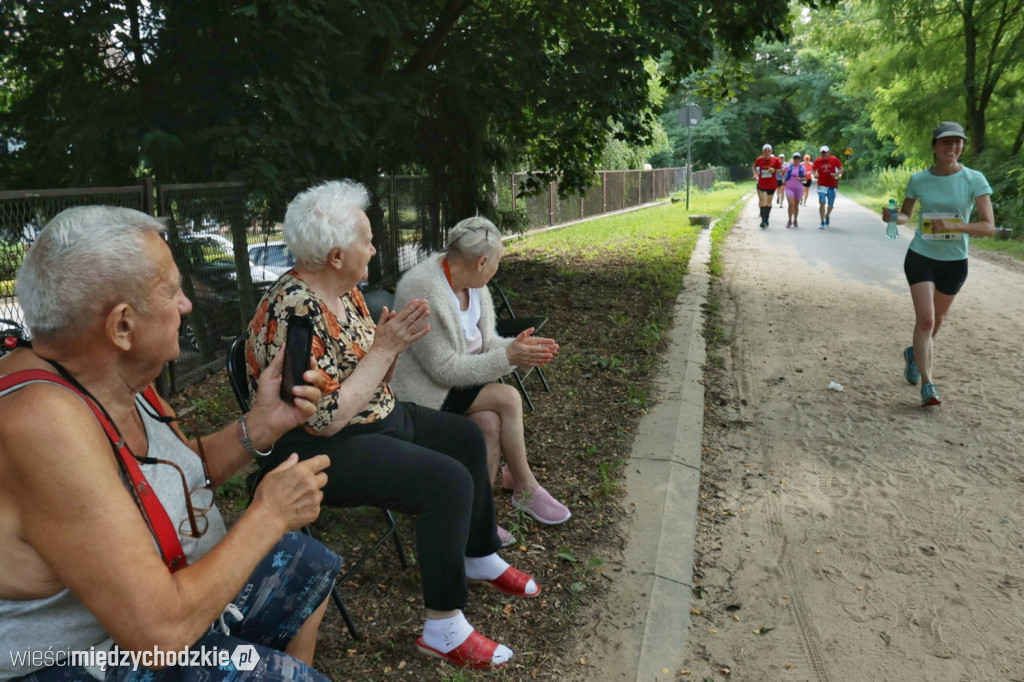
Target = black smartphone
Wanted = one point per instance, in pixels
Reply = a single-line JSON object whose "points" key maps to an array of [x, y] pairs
{"points": [[297, 346]]}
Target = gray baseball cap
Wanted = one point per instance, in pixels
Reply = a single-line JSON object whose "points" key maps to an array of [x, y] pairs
{"points": [[948, 129]]}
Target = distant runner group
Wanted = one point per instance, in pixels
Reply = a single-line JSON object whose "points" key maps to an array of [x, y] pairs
{"points": [[793, 180]]}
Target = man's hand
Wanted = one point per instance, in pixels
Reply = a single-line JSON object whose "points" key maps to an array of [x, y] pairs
{"points": [[293, 492], [272, 417]]}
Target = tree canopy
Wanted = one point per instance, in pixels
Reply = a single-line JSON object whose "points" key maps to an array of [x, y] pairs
{"points": [[873, 76], [198, 90]]}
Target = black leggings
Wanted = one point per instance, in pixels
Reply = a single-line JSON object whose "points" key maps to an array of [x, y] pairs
{"points": [[417, 461]]}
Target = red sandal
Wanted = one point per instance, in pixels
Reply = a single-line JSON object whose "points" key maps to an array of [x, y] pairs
{"points": [[476, 652], [513, 581]]}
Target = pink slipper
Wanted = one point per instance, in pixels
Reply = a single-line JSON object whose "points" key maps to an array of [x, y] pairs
{"points": [[514, 582], [506, 538], [476, 652], [507, 482], [541, 506]]}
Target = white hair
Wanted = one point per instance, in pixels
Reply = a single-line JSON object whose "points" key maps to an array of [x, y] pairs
{"points": [[474, 237], [322, 218], [86, 259]]}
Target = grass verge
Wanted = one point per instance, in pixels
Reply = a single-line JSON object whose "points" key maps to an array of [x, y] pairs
{"points": [[608, 287]]}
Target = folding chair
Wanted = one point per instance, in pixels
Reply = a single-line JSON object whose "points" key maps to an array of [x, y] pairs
{"points": [[510, 325], [376, 299], [240, 387]]}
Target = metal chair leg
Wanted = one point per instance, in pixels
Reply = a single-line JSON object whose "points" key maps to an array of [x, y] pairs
{"points": [[337, 598], [543, 379], [397, 538], [340, 603], [522, 388]]}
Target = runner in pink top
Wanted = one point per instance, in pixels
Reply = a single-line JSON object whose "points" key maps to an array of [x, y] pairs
{"points": [[794, 174]]}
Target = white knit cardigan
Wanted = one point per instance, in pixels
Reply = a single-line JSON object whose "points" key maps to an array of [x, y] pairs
{"points": [[439, 362]]}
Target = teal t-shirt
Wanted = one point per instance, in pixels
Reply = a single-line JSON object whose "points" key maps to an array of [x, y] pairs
{"points": [[946, 194]]}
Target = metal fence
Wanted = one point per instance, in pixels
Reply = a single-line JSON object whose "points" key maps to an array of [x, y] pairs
{"points": [[210, 224]]}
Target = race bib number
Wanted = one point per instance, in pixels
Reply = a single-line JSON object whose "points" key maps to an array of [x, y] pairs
{"points": [[948, 218], [767, 172]]}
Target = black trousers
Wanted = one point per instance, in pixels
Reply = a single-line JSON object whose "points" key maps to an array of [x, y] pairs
{"points": [[417, 461]]}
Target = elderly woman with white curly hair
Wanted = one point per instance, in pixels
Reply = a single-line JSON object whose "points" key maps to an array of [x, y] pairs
{"points": [[385, 452], [456, 367]]}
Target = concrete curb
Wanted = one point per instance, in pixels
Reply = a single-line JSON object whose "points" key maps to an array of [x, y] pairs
{"points": [[663, 484]]}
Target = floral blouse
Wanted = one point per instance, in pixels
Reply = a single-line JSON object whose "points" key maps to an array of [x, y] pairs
{"points": [[337, 349]]}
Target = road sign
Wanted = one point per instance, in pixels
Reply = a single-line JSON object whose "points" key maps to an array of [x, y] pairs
{"points": [[690, 115]]}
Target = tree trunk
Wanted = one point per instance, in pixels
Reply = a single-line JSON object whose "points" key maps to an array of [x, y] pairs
{"points": [[975, 111]]}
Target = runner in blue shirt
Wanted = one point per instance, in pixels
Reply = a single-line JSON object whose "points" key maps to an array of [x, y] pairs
{"points": [[936, 262]]}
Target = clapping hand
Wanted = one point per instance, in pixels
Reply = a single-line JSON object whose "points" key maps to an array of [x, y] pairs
{"points": [[397, 330], [530, 351]]}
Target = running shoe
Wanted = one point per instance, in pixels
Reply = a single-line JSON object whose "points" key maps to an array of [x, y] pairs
{"points": [[929, 395], [821, 227], [911, 373]]}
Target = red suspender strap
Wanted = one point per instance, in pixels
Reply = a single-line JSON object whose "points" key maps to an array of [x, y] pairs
{"points": [[153, 511], [154, 400]]}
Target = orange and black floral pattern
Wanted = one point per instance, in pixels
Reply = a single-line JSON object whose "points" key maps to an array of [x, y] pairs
{"points": [[337, 348]]}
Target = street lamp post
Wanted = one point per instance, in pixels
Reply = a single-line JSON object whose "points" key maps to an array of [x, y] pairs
{"points": [[689, 116]]}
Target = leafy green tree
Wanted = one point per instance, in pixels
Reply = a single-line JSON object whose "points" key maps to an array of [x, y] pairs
{"points": [[195, 90], [915, 63]]}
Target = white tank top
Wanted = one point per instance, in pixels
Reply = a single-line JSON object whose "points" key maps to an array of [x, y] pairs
{"points": [[63, 622], [469, 320]]}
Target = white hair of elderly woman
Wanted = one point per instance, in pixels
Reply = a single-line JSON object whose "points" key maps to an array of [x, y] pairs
{"points": [[322, 218], [475, 237], [86, 259]]}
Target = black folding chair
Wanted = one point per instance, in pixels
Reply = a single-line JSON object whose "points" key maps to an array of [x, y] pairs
{"points": [[510, 325], [240, 386], [376, 299]]}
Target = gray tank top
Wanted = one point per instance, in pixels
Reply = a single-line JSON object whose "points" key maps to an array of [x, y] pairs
{"points": [[61, 623]]}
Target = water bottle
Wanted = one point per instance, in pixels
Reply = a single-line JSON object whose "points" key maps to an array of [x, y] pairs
{"points": [[892, 229]]}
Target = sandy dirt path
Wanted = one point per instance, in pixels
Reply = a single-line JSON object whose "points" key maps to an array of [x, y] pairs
{"points": [[852, 535]]}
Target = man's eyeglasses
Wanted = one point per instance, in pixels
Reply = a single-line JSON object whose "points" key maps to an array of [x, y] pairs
{"points": [[198, 502]]}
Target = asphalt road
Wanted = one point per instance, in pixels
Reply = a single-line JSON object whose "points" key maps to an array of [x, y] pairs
{"points": [[853, 246]]}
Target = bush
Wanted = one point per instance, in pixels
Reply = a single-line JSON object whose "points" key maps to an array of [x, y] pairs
{"points": [[1006, 175], [11, 255], [892, 182]]}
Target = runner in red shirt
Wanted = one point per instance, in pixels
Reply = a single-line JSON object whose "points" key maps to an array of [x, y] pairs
{"points": [[766, 168], [827, 169], [808, 176]]}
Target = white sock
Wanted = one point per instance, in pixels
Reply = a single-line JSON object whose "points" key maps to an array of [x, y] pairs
{"points": [[445, 634], [485, 567]]}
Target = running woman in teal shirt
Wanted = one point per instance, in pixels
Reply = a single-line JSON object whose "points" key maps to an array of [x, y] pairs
{"points": [[936, 262]]}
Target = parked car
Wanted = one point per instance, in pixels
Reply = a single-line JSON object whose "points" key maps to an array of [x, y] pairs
{"points": [[210, 261], [272, 256], [217, 249]]}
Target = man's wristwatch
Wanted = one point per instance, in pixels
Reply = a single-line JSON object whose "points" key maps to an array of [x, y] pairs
{"points": [[243, 438]]}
